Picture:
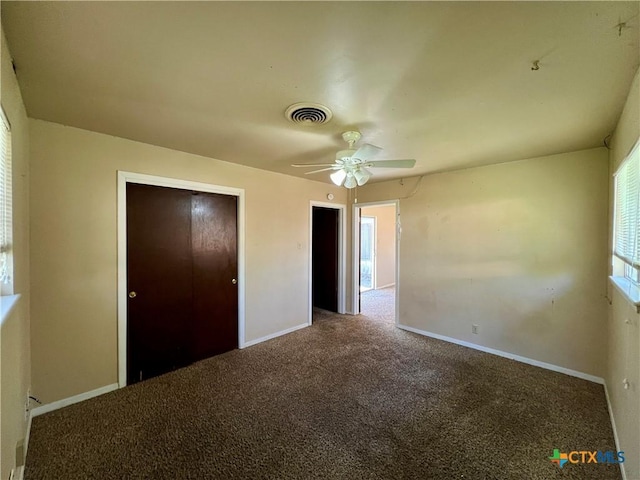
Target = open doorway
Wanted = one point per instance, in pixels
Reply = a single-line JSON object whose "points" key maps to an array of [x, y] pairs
{"points": [[376, 259], [327, 253]]}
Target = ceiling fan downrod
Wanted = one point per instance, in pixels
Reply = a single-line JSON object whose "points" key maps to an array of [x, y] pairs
{"points": [[351, 138]]}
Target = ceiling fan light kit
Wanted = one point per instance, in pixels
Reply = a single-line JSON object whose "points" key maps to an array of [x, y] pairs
{"points": [[362, 176], [350, 176], [350, 167], [350, 182], [338, 177]]}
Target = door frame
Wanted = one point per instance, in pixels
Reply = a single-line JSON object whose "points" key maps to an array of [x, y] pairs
{"points": [[131, 177], [356, 257], [342, 250]]}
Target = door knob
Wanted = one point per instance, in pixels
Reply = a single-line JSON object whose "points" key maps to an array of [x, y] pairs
{"points": [[234, 281], [132, 294]]}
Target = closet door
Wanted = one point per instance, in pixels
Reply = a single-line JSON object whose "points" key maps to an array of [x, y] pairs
{"points": [[215, 272], [182, 270], [159, 280]]}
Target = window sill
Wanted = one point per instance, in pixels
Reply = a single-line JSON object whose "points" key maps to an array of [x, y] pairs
{"points": [[628, 289], [7, 303]]}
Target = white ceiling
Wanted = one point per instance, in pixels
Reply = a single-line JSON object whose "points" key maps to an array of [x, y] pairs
{"points": [[447, 83]]}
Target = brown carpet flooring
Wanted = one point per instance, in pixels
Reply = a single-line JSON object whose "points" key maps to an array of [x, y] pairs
{"points": [[348, 398], [379, 304]]}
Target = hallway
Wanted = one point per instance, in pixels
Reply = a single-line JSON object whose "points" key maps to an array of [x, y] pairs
{"points": [[379, 305]]}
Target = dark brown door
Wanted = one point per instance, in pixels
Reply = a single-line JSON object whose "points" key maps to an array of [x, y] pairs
{"points": [[325, 258], [181, 266], [215, 272], [159, 271]]}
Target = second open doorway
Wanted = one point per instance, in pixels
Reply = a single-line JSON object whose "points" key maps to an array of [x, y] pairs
{"points": [[376, 260]]}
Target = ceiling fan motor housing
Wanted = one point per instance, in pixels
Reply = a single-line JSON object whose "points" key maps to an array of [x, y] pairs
{"points": [[345, 154]]}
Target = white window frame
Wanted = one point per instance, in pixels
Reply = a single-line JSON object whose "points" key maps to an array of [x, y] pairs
{"points": [[626, 251], [6, 209]]}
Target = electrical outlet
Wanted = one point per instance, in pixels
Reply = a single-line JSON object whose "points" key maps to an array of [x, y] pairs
{"points": [[474, 329]]}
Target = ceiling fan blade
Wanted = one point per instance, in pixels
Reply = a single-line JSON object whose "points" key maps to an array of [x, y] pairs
{"points": [[392, 164], [322, 170], [311, 164], [365, 152]]}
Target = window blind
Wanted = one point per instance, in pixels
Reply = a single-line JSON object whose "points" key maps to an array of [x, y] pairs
{"points": [[627, 209], [5, 200]]}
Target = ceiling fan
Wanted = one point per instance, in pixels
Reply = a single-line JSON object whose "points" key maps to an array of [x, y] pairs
{"points": [[351, 165]]}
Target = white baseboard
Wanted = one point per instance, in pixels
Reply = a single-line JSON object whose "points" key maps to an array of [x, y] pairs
{"points": [[511, 356], [26, 440], [50, 407], [274, 335], [615, 430], [17, 473], [385, 286]]}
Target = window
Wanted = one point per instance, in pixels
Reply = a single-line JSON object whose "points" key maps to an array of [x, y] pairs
{"points": [[367, 261], [627, 217], [6, 267]]}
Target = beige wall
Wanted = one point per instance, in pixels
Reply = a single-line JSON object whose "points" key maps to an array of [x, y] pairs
{"points": [[385, 243], [624, 339], [517, 248], [14, 335], [73, 247]]}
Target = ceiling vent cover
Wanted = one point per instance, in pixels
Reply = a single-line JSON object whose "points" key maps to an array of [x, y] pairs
{"points": [[308, 114]]}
